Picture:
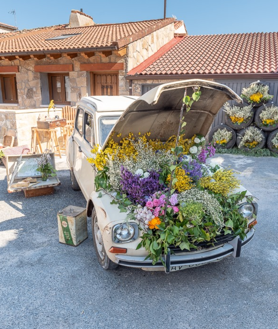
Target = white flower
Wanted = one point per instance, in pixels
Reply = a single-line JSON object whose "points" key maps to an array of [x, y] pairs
{"points": [[197, 140], [203, 139], [199, 148], [139, 172], [146, 174], [193, 150]]}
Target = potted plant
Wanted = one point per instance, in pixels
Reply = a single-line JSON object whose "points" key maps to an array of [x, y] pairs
{"points": [[251, 138], [238, 116], [272, 141], [256, 94], [45, 167], [222, 137], [266, 117]]}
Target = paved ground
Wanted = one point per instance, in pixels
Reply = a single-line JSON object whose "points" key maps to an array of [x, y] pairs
{"points": [[44, 284]]}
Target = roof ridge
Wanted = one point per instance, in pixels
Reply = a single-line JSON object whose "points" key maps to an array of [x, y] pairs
{"points": [[244, 33]]}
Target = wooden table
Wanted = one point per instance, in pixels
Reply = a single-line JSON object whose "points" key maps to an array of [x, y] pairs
{"points": [[52, 142]]}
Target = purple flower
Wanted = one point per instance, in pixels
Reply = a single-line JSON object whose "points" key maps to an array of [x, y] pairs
{"points": [[174, 199], [136, 188], [156, 202], [206, 152], [194, 169]]}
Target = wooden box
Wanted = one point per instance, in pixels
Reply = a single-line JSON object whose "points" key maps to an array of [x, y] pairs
{"points": [[72, 225], [51, 124], [16, 173]]}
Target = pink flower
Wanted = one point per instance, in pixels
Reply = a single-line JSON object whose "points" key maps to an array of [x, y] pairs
{"points": [[176, 209], [162, 212], [156, 202], [156, 211], [149, 204], [174, 199]]}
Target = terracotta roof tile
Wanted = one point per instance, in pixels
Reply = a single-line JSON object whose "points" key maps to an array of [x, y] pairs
{"points": [[216, 54], [96, 36]]}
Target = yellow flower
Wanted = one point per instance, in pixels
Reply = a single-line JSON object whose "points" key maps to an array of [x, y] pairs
{"points": [[183, 182], [251, 144], [236, 119], [256, 97], [154, 222], [222, 182], [223, 141], [268, 122]]}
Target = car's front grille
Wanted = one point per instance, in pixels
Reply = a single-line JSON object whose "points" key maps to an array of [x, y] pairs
{"points": [[219, 240]]}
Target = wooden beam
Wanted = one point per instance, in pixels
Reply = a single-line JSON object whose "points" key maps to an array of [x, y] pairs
{"points": [[84, 55], [18, 57], [56, 56], [54, 68], [102, 67], [9, 69], [49, 57], [90, 54], [105, 53], [65, 55], [72, 55], [37, 57], [120, 52]]}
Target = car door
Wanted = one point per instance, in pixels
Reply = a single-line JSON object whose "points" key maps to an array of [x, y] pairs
{"points": [[84, 139]]}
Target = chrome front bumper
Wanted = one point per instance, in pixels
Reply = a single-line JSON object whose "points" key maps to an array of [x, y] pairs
{"points": [[188, 259]]}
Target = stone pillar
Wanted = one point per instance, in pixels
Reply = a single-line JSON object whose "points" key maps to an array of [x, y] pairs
{"points": [[78, 85]]}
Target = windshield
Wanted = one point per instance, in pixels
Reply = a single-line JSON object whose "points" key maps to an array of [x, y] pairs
{"points": [[106, 123]]}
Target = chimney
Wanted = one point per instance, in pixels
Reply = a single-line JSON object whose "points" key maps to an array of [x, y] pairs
{"points": [[78, 18]]}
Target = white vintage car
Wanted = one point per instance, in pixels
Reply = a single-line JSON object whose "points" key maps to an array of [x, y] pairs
{"points": [[157, 111]]}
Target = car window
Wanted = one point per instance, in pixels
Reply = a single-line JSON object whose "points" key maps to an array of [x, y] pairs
{"points": [[106, 123], [79, 121], [89, 129]]}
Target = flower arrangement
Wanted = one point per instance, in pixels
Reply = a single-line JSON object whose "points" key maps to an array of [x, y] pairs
{"points": [[45, 167], [222, 137], [170, 190], [269, 115], [274, 141], [256, 93], [238, 114], [252, 137]]}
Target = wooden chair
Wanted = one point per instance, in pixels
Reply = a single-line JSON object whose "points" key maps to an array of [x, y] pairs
{"points": [[68, 113]]}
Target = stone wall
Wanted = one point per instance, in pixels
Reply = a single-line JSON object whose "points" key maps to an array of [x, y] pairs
{"points": [[142, 49]]}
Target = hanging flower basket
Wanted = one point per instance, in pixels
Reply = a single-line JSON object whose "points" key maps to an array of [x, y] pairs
{"points": [[272, 141], [222, 136], [238, 116], [256, 94], [251, 138], [266, 117]]}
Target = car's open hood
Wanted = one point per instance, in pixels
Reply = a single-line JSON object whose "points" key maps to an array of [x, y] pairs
{"points": [[158, 111]]}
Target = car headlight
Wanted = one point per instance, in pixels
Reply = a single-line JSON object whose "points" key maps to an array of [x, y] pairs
{"points": [[125, 232], [247, 210]]}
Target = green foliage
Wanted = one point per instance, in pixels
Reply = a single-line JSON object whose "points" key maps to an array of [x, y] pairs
{"points": [[47, 169], [1, 154], [255, 153], [101, 179]]}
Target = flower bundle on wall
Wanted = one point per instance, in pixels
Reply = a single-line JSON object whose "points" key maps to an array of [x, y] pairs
{"points": [[238, 114], [251, 138], [274, 141], [222, 136], [269, 116], [256, 93]]}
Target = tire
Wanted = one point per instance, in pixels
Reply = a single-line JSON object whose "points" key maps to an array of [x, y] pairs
{"points": [[74, 184], [102, 257], [259, 123], [269, 144], [230, 144], [244, 148], [243, 125]]}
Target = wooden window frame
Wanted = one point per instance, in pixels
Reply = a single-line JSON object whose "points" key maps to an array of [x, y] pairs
{"points": [[92, 80], [14, 88], [63, 87]]}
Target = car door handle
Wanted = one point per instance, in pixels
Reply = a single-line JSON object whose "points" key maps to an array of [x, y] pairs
{"points": [[79, 148]]}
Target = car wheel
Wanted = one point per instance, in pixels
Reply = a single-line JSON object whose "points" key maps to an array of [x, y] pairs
{"points": [[74, 184], [103, 259]]}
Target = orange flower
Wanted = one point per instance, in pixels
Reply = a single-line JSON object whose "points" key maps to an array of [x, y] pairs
{"points": [[154, 222]]}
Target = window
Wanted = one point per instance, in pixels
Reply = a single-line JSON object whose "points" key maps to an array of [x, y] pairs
{"points": [[89, 129], [104, 84], [63, 36], [79, 121], [8, 88], [59, 88], [105, 126]]}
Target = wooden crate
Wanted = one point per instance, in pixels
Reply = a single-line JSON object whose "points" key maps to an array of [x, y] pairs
{"points": [[51, 124], [72, 225], [40, 187]]}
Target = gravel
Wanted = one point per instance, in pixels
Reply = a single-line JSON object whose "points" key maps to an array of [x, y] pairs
{"points": [[45, 284]]}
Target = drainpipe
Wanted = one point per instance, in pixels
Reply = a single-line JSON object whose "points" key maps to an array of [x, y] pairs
{"points": [[130, 87]]}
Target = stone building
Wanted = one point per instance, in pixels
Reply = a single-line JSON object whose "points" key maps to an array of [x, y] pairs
{"points": [[67, 62]]}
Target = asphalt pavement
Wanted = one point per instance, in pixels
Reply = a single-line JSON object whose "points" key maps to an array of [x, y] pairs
{"points": [[45, 284]]}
